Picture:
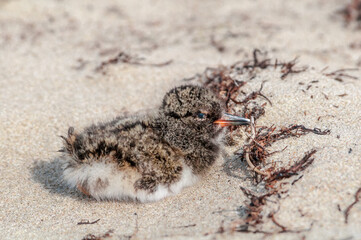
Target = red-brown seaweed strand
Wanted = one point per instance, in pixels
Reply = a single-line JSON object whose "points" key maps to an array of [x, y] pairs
{"points": [[348, 209]]}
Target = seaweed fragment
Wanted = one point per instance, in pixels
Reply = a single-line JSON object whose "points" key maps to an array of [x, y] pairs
{"points": [[254, 208], [187, 226], [352, 12], [255, 215], [222, 83], [108, 234], [253, 96], [340, 75], [288, 68], [221, 80], [255, 151], [348, 209], [123, 57], [217, 45], [293, 170], [84, 222]]}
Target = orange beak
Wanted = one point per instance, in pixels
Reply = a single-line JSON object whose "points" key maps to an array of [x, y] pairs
{"points": [[232, 120]]}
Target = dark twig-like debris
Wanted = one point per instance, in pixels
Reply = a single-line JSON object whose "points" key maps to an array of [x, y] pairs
{"points": [[340, 75], [272, 216], [108, 234], [187, 226], [294, 169], [296, 180], [221, 81], [352, 12], [87, 222], [254, 208], [256, 148], [121, 57], [254, 217], [221, 228], [288, 68], [265, 137], [218, 45], [348, 209], [252, 96], [126, 58]]}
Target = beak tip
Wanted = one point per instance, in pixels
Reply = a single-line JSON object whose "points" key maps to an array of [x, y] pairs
{"points": [[232, 120]]}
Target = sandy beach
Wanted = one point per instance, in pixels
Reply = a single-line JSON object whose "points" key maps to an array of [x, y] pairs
{"points": [[73, 63]]}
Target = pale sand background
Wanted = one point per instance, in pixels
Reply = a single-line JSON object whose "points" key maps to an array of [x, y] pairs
{"points": [[45, 88]]}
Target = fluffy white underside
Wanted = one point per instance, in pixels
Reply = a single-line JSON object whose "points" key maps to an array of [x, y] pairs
{"points": [[105, 181]]}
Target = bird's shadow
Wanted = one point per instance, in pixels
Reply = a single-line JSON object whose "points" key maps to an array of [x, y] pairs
{"points": [[234, 167], [50, 175]]}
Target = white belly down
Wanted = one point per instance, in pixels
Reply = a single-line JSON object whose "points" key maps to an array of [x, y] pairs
{"points": [[104, 181]]}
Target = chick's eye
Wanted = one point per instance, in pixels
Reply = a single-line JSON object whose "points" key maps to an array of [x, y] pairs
{"points": [[202, 116]]}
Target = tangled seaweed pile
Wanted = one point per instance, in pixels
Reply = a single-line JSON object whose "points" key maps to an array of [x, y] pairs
{"points": [[227, 83]]}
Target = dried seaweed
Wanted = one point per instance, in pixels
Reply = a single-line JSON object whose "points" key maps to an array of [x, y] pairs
{"points": [[352, 12], [123, 57], [252, 96], [217, 45], [221, 83], [187, 226], [226, 86], [254, 208], [296, 180], [255, 216], [225, 82], [256, 150], [288, 68], [108, 234], [272, 216], [266, 136], [348, 209], [340, 75], [293, 170], [221, 80], [84, 222]]}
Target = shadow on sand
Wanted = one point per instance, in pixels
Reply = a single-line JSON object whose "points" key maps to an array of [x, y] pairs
{"points": [[234, 167], [50, 175]]}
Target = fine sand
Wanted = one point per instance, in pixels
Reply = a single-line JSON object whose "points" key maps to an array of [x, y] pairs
{"points": [[56, 71]]}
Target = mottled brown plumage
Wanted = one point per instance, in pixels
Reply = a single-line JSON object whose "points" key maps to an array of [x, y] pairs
{"points": [[148, 157]]}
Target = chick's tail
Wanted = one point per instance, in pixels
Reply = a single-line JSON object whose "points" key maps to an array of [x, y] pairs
{"points": [[69, 144]]}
